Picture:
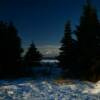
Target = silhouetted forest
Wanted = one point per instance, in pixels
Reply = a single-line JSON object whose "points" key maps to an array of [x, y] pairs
{"points": [[80, 58], [12, 64], [83, 60]]}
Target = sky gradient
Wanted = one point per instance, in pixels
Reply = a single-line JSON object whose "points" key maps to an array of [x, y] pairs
{"points": [[42, 21]]}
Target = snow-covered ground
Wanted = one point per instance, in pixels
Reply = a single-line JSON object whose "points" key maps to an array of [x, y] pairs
{"points": [[45, 89], [51, 87]]}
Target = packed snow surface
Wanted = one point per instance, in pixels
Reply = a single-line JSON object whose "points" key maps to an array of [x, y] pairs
{"points": [[48, 89]]}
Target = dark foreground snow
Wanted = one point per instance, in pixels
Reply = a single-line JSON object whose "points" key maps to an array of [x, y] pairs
{"points": [[44, 89], [48, 88]]}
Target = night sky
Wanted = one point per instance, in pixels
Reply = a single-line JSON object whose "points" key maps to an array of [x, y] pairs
{"points": [[42, 21]]}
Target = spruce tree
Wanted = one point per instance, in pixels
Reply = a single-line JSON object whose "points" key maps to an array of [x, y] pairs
{"points": [[3, 33], [65, 56], [32, 57], [14, 46], [10, 50], [87, 32]]}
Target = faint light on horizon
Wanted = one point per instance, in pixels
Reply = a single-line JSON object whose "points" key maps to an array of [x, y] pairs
{"points": [[49, 50], [46, 50]]}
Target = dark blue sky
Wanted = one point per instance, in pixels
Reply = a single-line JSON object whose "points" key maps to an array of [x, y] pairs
{"points": [[42, 21]]}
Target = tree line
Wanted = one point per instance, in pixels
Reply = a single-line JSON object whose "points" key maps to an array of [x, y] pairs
{"points": [[12, 63], [79, 58]]}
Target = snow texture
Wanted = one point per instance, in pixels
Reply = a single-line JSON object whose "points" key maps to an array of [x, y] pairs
{"points": [[44, 89], [48, 88]]}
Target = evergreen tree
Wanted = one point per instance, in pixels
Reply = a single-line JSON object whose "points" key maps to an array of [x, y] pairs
{"points": [[15, 49], [32, 57], [87, 32], [10, 50], [65, 58], [98, 42], [3, 33]]}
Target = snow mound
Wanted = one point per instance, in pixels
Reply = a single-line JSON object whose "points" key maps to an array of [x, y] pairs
{"points": [[29, 89]]}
